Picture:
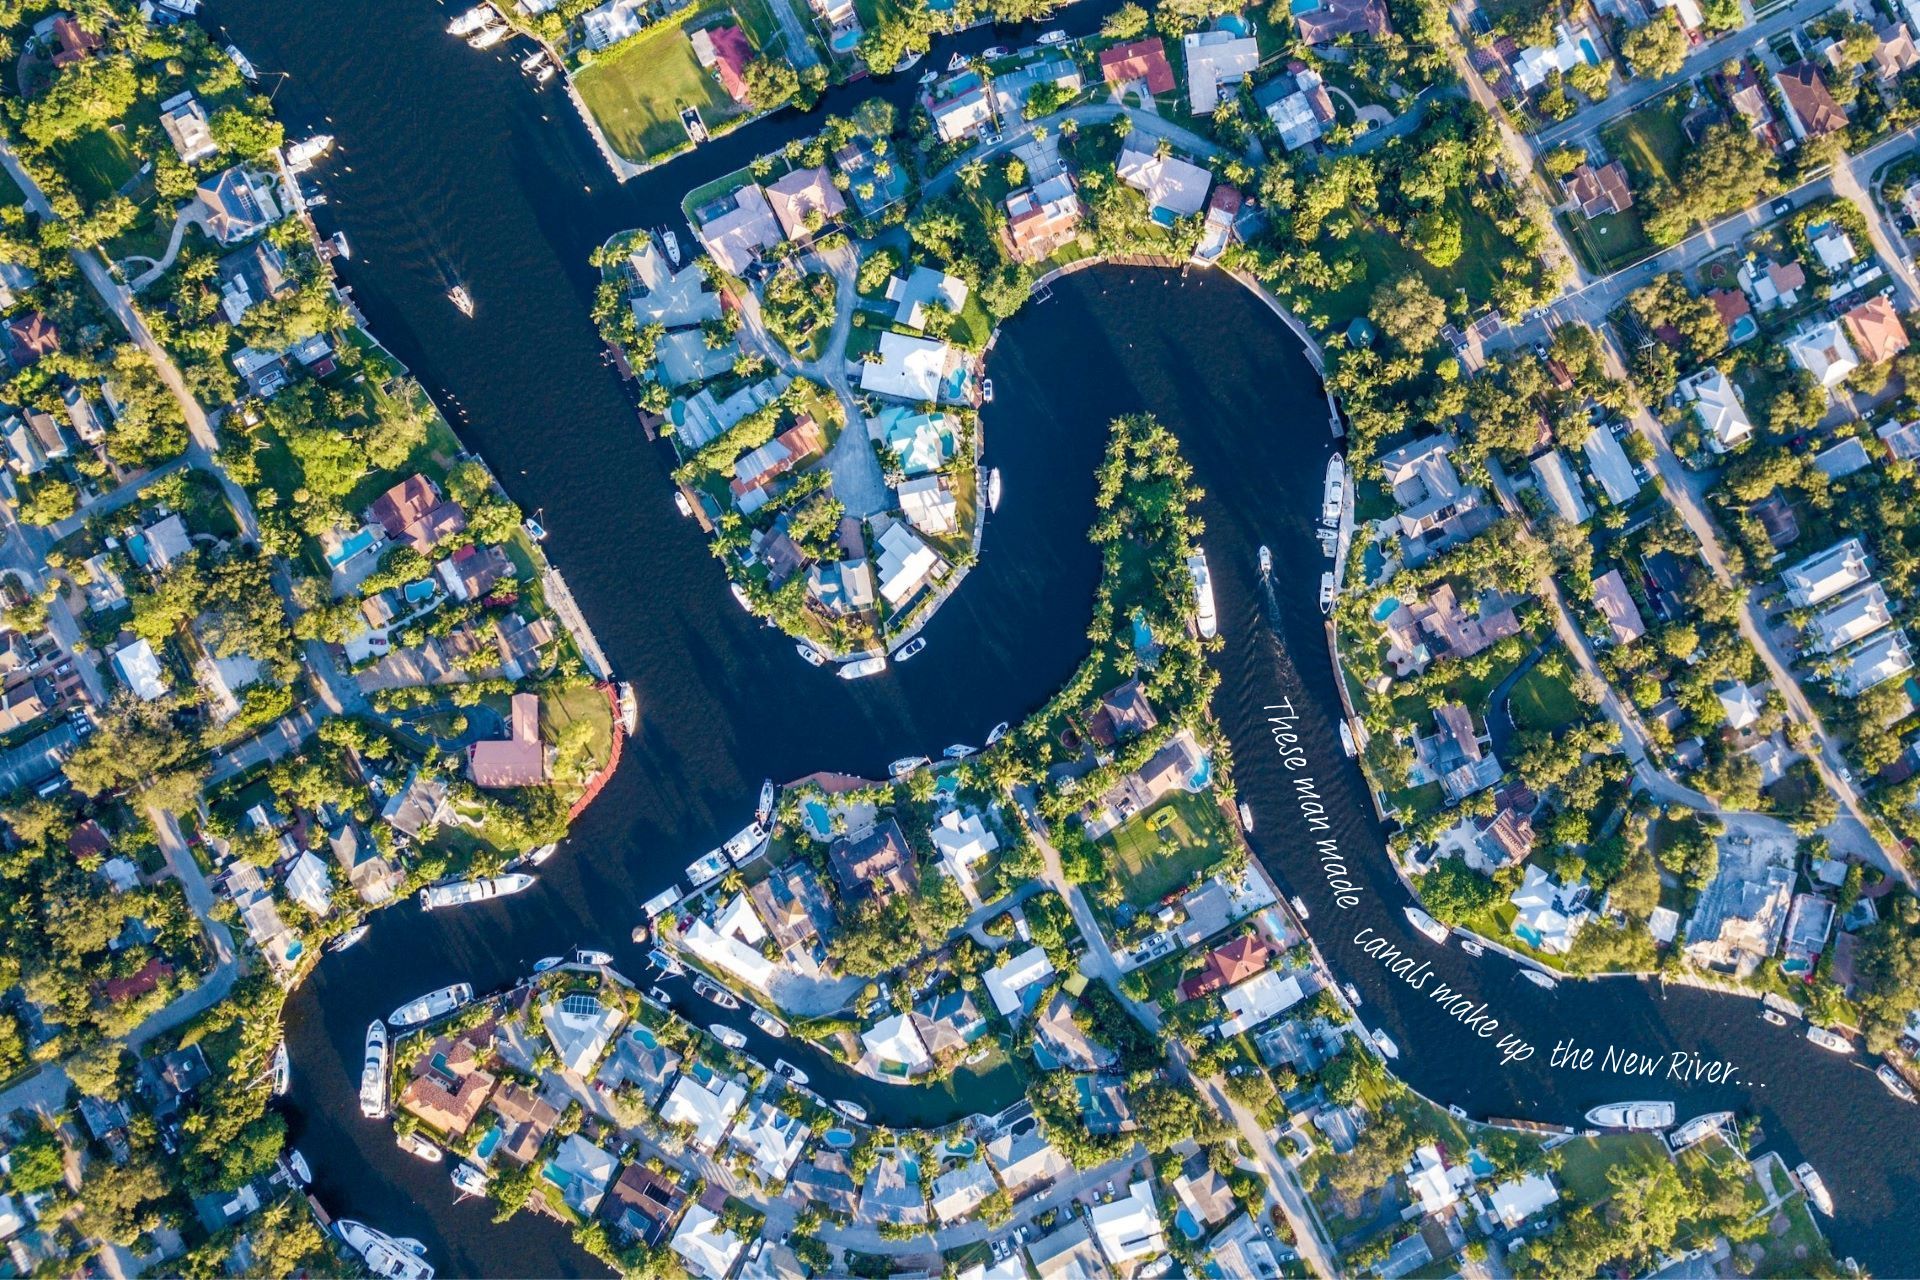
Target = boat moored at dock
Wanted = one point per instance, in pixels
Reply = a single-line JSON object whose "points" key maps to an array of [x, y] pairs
{"points": [[1545, 981], [714, 992], [993, 490], [384, 1255], [434, 1004], [594, 959], [1829, 1041], [810, 655], [1698, 1128], [472, 20], [660, 903], [1384, 1042], [629, 707], [782, 1067], [1333, 491], [1426, 924], [1815, 1186], [418, 1147], [727, 1036], [548, 962], [860, 668], [470, 1179], [281, 1068], [707, 868], [907, 764], [1204, 617], [851, 1110], [349, 938], [764, 810], [373, 1072], [767, 1023], [1895, 1083], [746, 844], [1635, 1117], [909, 649], [462, 892]]}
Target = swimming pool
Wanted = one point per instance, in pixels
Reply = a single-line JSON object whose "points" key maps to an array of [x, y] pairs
{"points": [[840, 1139], [1386, 608], [419, 591], [819, 821], [351, 547]]}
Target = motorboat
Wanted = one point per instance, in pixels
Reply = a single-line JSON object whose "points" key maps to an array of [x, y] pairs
{"points": [[1329, 589], [996, 51], [639, 934], [784, 1068], [860, 668], [666, 963], [1333, 491], [535, 530], [1299, 905], [1051, 37], [810, 655], [472, 20], [909, 649], [1639, 1117], [660, 903], [460, 298], [718, 994], [958, 62], [764, 810], [680, 502], [1829, 1041], [349, 938], [852, 1111], [1347, 743], [341, 248], [487, 37], [1471, 947], [986, 391], [531, 64], [434, 1004], [1246, 817], [302, 1171], [907, 764], [996, 733], [1542, 980], [534, 857], [1385, 1044], [597, 959], [1774, 1016], [740, 596], [671, 243], [241, 61], [1353, 994], [1815, 1186], [462, 892], [302, 154], [911, 61], [385, 1256], [282, 1070], [661, 994], [958, 751], [1457, 1111], [545, 73], [707, 868], [1203, 595], [629, 707], [745, 845], [373, 1072], [993, 490], [1698, 1128], [418, 1147], [1435, 931], [727, 1036], [470, 1179], [548, 962], [1266, 561], [1895, 1083], [767, 1023]]}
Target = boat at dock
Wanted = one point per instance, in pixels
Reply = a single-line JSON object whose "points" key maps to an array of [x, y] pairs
{"points": [[853, 1111], [718, 994], [1203, 595], [1385, 1044], [707, 868], [1329, 590], [764, 809], [241, 61], [784, 1068], [472, 20], [1266, 561], [1347, 744], [1353, 994], [909, 649], [862, 667], [487, 37], [671, 244], [993, 490], [666, 963], [746, 844], [534, 62], [461, 299], [1539, 979], [661, 994], [727, 1036], [470, 1179], [418, 1147], [1815, 1186], [462, 892], [767, 1023], [385, 1256], [958, 751], [373, 1072], [1829, 1041], [302, 154], [596, 959], [996, 733], [1433, 929], [1698, 1128], [281, 1069], [1333, 491], [1471, 947], [660, 902], [434, 1004], [302, 1171], [907, 764], [740, 596], [1246, 818], [1299, 905], [629, 708], [1896, 1083], [548, 962], [1636, 1117], [534, 857], [1774, 1016], [810, 655]]}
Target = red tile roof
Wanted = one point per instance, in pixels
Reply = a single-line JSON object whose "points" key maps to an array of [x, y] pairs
{"points": [[1141, 60]]}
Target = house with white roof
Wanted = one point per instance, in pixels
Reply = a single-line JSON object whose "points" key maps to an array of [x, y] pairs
{"points": [[1550, 913], [1267, 994], [708, 1249], [905, 564], [737, 950], [1169, 183], [929, 505], [1717, 405], [186, 126], [922, 370], [1610, 465], [1840, 567], [960, 840], [580, 1027], [1514, 1203], [1742, 704], [1874, 663], [771, 1139], [1531, 66], [1217, 60], [1009, 981], [922, 288], [309, 884], [706, 1101], [958, 1192], [895, 1046], [582, 1171], [1835, 250], [1435, 1185], [1850, 619], [1561, 487], [139, 669], [1823, 351], [1129, 1229]]}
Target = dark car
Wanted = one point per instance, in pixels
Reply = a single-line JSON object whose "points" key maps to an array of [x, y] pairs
{"points": [[1782, 207]]}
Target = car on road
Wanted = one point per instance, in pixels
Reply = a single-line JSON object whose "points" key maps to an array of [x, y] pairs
{"points": [[1782, 207]]}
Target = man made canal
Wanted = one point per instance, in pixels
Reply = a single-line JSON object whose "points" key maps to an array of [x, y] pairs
{"points": [[452, 167]]}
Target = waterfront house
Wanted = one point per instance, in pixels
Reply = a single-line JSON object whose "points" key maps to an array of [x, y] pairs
{"points": [[1059, 1037], [1235, 962], [1141, 62], [259, 915], [1839, 568], [920, 442], [1811, 109], [1437, 626], [1599, 191], [736, 228], [1122, 715], [1874, 663], [891, 1192], [1876, 330], [1216, 60], [1514, 1204], [185, 123], [1716, 403], [948, 1023], [796, 912], [579, 1026], [1265, 995], [708, 1248], [1549, 913], [1427, 488], [921, 289], [1850, 619], [418, 808], [929, 505], [1174, 188], [1016, 984], [732, 943], [905, 565], [1740, 918], [448, 1087], [877, 862], [582, 1172], [683, 357], [308, 884], [526, 1119], [894, 1047], [1453, 756], [1223, 216], [1043, 218], [724, 50], [1026, 1162], [639, 1060], [961, 1190], [661, 295], [238, 203], [641, 1205], [959, 106], [805, 201], [1177, 766], [472, 572], [1333, 19], [413, 512], [1129, 1229], [841, 587], [961, 840], [704, 1101], [771, 1139], [921, 370], [518, 760], [612, 22]]}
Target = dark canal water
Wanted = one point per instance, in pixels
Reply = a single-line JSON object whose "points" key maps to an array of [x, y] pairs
{"points": [[451, 166]]}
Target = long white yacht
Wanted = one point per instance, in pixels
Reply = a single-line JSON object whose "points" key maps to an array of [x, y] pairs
{"points": [[1637, 1116], [1203, 595], [434, 1004], [1333, 492], [384, 1255], [1815, 1187], [373, 1073], [1426, 924], [461, 892]]}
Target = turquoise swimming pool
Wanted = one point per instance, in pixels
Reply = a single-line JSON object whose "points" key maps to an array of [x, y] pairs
{"points": [[1385, 609], [351, 547]]}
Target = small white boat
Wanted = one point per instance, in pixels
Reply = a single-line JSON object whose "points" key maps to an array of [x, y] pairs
{"points": [[1896, 1084], [385, 1256], [596, 959], [639, 934], [348, 939], [986, 391], [746, 844], [911, 61], [671, 243], [666, 963], [764, 809], [810, 655], [958, 751], [740, 596], [472, 20], [1385, 1044], [1051, 37], [1540, 979], [708, 867], [1698, 1128], [470, 1179], [534, 857], [341, 248], [545, 73], [1347, 744], [852, 1111], [1246, 817], [461, 299], [1333, 491], [415, 1145], [718, 994], [434, 1004], [996, 51], [727, 1036], [629, 707], [767, 1023], [282, 1070], [1353, 994], [1457, 1111], [1203, 595], [996, 733], [302, 154], [241, 61], [660, 903], [661, 994], [1329, 589], [1300, 907], [862, 668], [1774, 1016], [909, 649], [1266, 561], [489, 36], [784, 1068], [535, 530], [1426, 924], [1471, 947], [680, 501], [1829, 1041], [957, 62], [531, 64], [548, 962], [907, 764], [1638, 1117], [373, 1072], [993, 489], [1815, 1186], [302, 1171], [462, 892]]}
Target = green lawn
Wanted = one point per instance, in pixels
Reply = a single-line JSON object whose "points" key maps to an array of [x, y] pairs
{"points": [[1585, 1162], [1649, 141], [1384, 259], [1163, 849], [637, 91], [1609, 241], [97, 162], [1543, 701]]}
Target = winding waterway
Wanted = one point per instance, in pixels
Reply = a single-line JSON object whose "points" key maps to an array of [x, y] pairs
{"points": [[451, 166]]}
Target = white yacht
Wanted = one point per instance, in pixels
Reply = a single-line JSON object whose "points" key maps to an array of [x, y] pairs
{"points": [[671, 243], [1266, 561], [706, 868], [1435, 931], [1385, 1044], [907, 764], [1540, 979], [909, 649], [767, 1023], [1246, 818], [740, 596], [629, 708], [461, 299], [472, 20], [1347, 743], [764, 809], [461, 892], [415, 1145], [1353, 994], [302, 1171], [1815, 1186], [782, 1067], [996, 733], [302, 154], [548, 962], [470, 1179], [434, 1004], [993, 490], [718, 994], [1637, 1116], [958, 751], [1299, 906], [862, 667], [487, 37], [281, 1068], [1698, 1128], [241, 61], [385, 1256], [810, 655], [1333, 492], [746, 844], [596, 959], [350, 937], [1203, 595], [727, 1036], [1896, 1084], [373, 1072], [1829, 1041], [1329, 590], [851, 1110], [660, 902], [1471, 947]]}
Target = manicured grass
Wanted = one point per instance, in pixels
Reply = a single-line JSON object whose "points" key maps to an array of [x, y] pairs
{"points": [[584, 704], [98, 163], [1164, 848], [1585, 1162], [1649, 141], [1543, 701], [1384, 259], [1609, 241], [637, 91]]}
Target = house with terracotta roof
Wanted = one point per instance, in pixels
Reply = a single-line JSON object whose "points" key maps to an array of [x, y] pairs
{"points": [[1600, 191], [1896, 54], [724, 50], [1811, 110], [471, 573], [737, 228], [804, 201], [1876, 330], [1337, 18], [526, 1119], [31, 336], [77, 44], [519, 759], [1731, 306], [413, 512], [448, 1087], [1228, 966], [143, 981], [1142, 60], [1043, 217]]}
